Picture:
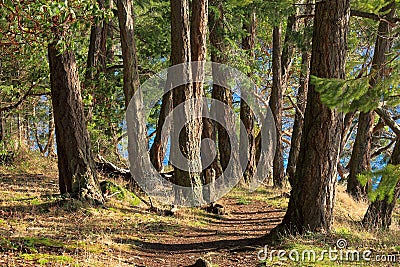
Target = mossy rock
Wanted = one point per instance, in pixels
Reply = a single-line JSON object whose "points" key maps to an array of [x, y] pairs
{"points": [[112, 190]]}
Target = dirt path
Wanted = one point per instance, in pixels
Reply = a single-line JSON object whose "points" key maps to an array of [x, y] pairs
{"points": [[35, 229], [229, 240]]}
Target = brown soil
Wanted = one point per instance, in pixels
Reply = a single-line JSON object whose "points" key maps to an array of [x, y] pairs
{"points": [[121, 235], [229, 240]]}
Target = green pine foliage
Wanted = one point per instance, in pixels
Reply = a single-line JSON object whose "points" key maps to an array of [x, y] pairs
{"points": [[357, 93], [386, 179]]}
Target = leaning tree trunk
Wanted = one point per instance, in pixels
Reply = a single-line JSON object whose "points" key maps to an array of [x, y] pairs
{"points": [[301, 98], [379, 212], [246, 113], [361, 155], [160, 142], [276, 104], [77, 174], [312, 196], [187, 141]]}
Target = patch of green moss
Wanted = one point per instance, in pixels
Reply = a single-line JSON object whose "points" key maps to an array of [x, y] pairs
{"points": [[243, 201], [118, 192], [86, 246], [350, 235], [44, 259], [32, 243]]}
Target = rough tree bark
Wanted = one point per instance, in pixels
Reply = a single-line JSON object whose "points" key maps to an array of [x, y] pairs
{"points": [[360, 160], [219, 93], [288, 48], [301, 99], [276, 104], [312, 196], [128, 44], [246, 114], [77, 174], [189, 137], [198, 45], [137, 134]]}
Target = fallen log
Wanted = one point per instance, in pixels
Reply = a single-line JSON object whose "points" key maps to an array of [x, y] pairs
{"points": [[106, 167]]}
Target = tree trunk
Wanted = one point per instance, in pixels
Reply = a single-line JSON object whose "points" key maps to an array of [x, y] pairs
{"points": [[77, 174], [276, 104], [361, 155], [246, 114], [312, 196], [301, 99], [186, 141], [96, 59], [198, 44], [379, 212], [128, 44], [218, 55], [346, 134], [360, 160], [2, 127], [159, 146], [137, 134], [50, 139], [198, 34], [288, 49], [36, 130]]}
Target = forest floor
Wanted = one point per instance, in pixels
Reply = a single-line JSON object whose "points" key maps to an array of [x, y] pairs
{"points": [[38, 228]]}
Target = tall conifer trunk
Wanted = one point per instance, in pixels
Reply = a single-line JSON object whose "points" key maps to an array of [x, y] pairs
{"points": [[77, 174], [313, 193]]}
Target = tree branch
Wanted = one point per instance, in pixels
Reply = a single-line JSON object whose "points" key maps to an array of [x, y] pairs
{"points": [[362, 14], [389, 121], [357, 13], [15, 105]]}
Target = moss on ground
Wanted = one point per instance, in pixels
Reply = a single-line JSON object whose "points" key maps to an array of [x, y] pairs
{"points": [[113, 190]]}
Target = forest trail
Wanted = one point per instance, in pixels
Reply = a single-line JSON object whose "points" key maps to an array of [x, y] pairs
{"points": [[228, 240], [38, 228]]}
